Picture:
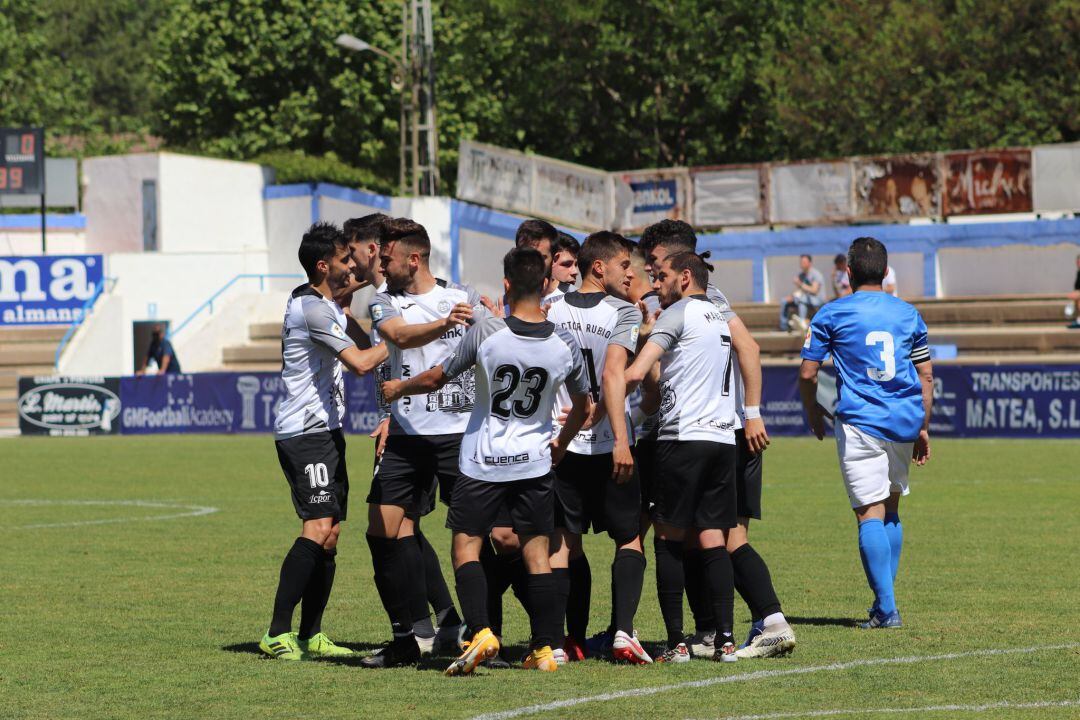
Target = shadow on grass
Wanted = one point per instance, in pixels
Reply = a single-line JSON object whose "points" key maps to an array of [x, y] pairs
{"points": [[252, 648], [841, 622]]}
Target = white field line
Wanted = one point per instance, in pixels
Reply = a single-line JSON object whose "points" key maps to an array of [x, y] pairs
{"points": [[761, 675], [895, 711], [188, 511]]}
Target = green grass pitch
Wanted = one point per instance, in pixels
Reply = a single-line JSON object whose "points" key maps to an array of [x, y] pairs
{"points": [[159, 618]]}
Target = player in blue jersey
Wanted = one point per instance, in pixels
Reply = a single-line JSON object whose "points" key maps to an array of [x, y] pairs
{"points": [[885, 386]]}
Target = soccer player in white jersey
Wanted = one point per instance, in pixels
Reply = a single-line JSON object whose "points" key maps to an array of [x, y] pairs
{"points": [[365, 237], [422, 320], [506, 458], [564, 267], [694, 464], [596, 484], [310, 444], [752, 578], [885, 389]]}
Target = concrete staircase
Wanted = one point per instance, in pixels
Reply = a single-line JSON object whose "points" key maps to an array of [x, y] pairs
{"points": [[262, 351], [24, 351]]}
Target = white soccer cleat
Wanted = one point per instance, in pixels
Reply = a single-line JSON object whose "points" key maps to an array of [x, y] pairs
{"points": [[702, 644], [775, 641], [625, 648], [560, 656], [677, 655]]}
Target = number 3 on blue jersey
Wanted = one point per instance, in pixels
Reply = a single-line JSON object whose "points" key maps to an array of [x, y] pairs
{"points": [[888, 355]]}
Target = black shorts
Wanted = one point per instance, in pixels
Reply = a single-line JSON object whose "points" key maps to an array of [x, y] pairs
{"points": [[529, 505], [644, 456], [412, 469], [314, 465], [586, 495], [694, 484], [747, 478]]}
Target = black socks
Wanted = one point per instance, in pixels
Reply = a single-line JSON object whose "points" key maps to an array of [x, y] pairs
{"points": [[721, 583], [296, 570], [472, 593], [697, 591], [627, 577], [317, 594], [670, 582], [754, 583], [392, 580], [543, 613], [438, 595], [577, 603]]}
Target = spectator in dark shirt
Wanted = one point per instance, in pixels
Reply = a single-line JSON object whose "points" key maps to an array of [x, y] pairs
{"points": [[1075, 297], [161, 352]]}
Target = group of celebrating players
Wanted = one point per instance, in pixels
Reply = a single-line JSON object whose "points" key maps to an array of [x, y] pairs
{"points": [[627, 403]]}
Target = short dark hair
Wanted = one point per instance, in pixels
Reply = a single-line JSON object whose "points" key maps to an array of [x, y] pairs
{"points": [[567, 243], [369, 228], [526, 270], [670, 234], [602, 246], [808, 258], [409, 233], [531, 232], [320, 242], [699, 269], [840, 258], [868, 260]]}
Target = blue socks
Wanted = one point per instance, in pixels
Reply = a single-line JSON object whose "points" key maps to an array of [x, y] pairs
{"points": [[876, 553], [895, 531]]}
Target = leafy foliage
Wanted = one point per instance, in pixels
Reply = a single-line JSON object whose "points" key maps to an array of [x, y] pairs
{"points": [[608, 83]]}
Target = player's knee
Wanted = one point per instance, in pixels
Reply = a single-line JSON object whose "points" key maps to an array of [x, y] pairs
{"points": [[506, 540]]}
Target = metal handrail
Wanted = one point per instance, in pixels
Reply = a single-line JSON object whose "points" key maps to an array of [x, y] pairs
{"points": [[86, 308], [209, 304]]}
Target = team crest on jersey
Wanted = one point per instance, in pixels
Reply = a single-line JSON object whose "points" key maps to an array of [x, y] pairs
{"points": [[634, 334], [376, 312], [337, 331], [444, 306]]}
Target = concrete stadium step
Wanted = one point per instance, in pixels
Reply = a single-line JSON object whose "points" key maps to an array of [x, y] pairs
{"points": [[265, 331], [33, 334], [27, 354], [988, 311]]}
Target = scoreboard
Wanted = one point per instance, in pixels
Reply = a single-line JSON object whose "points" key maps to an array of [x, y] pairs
{"points": [[22, 161]]}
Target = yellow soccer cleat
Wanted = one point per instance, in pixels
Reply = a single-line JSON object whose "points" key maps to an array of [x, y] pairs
{"points": [[318, 645], [541, 659], [483, 645], [282, 647]]}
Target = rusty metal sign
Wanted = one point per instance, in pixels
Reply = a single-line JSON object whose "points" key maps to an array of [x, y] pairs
{"points": [[980, 183], [897, 187]]}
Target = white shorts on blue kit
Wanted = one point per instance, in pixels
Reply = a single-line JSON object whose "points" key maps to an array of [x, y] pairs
{"points": [[872, 468]]}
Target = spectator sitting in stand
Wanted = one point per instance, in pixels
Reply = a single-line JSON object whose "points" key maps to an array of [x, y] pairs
{"points": [[809, 295], [841, 283], [161, 352]]}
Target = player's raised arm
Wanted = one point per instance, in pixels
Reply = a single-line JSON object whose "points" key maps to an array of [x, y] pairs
{"points": [[393, 328], [433, 379], [749, 354], [363, 361], [647, 357]]}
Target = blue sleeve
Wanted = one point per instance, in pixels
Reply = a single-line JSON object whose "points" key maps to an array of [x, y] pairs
{"points": [[920, 345], [166, 349], [818, 343]]}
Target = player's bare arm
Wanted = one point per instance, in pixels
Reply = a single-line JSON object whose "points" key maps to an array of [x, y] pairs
{"points": [[613, 382], [749, 354], [921, 452], [348, 290], [815, 414], [579, 410], [648, 357], [427, 381], [363, 361], [409, 335]]}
